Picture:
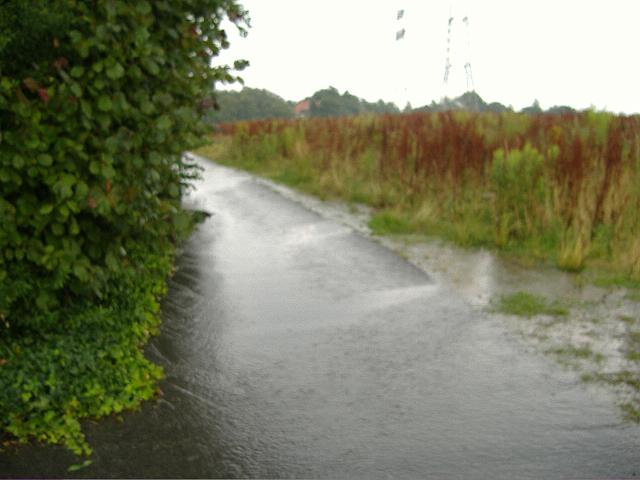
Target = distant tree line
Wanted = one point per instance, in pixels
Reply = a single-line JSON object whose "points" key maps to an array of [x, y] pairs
{"points": [[330, 103], [472, 102], [258, 104], [248, 104]]}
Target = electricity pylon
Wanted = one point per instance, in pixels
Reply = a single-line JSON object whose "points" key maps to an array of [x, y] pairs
{"points": [[451, 22]]}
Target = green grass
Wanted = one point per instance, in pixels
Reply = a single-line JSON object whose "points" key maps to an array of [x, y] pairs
{"points": [[629, 320], [581, 353], [525, 304], [631, 411], [291, 177], [633, 346], [614, 279], [386, 223], [633, 295]]}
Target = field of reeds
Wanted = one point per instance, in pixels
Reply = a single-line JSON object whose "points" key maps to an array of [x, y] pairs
{"points": [[560, 189]]}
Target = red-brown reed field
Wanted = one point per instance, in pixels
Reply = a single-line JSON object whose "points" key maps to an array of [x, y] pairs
{"points": [[559, 188]]}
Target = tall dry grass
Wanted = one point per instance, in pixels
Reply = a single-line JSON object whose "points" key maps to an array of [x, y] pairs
{"points": [[562, 188]]}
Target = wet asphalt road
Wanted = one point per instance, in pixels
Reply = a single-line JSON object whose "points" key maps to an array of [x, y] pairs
{"points": [[295, 347]]}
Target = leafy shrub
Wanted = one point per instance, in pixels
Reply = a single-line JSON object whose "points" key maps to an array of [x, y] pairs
{"points": [[90, 157], [519, 188], [92, 367], [98, 100]]}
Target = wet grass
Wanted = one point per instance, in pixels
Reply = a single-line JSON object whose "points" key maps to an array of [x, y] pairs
{"points": [[633, 295], [625, 379], [389, 223], [576, 353], [525, 304], [560, 190], [633, 346], [612, 279], [628, 319], [630, 407], [631, 411]]}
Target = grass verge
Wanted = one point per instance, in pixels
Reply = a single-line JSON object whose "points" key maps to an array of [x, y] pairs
{"points": [[525, 304]]}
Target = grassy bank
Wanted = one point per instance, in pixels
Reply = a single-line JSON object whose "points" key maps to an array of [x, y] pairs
{"points": [[563, 189]]}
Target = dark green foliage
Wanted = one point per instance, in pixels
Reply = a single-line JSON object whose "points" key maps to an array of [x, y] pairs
{"points": [[90, 154], [91, 367], [534, 109], [98, 100], [256, 104], [330, 103], [249, 104], [468, 101], [25, 34]]}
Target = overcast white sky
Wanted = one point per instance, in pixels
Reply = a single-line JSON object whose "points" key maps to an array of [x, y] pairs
{"points": [[577, 53]]}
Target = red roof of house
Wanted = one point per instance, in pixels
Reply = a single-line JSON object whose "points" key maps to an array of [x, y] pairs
{"points": [[302, 106]]}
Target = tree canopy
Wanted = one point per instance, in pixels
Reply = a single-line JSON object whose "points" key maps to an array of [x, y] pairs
{"points": [[249, 104]]}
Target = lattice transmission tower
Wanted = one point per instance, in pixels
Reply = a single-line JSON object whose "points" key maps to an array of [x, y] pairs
{"points": [[451, 22]]}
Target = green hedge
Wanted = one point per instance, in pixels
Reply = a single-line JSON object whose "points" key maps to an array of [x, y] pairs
{"points": [[98, 100]]}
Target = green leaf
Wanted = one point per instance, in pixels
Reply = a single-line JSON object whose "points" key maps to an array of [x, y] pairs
{"points": [[78, 466], [151, 66], [174, 191], [104, 120], [57, 229], [45, 160], [240, 65], [32, 143], [76, 90], [42, 300], [164, 122], [142, 35], [111, 144], [80, 272], [77, 71], [46, 209], [108, 171], [155, 158], [82, 189], [74, 229], [143, 7], [112, 262], [111, 9], [104, 103], [115, 72], [86, 108], [147, 108]]}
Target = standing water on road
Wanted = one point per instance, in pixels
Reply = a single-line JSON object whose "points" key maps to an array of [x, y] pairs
{"points": [[295, 346]]}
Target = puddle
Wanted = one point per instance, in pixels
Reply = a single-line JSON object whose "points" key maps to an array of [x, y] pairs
{"points": [[595, 340]]}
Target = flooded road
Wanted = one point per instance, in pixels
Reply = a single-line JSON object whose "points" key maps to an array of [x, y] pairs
{"points": [[296, 347]]}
